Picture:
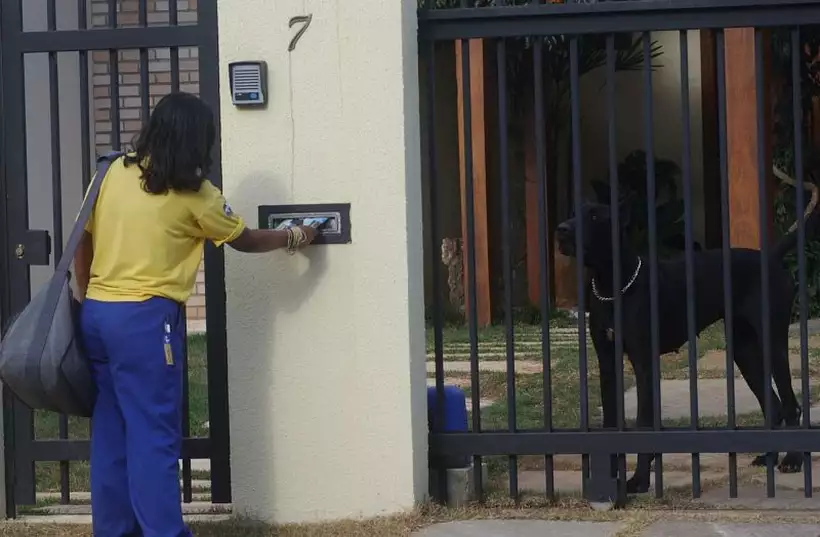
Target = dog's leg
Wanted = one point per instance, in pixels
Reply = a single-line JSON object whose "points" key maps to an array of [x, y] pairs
{"points": [[790, 411], [749, 360], [642, 365]]}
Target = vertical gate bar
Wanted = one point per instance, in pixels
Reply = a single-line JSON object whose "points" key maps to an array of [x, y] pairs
{"points": [[429, 51], [6, 304], [471, 260], [173, 17], [217, 340], [797, 118], [651, 211], [506, 239], [472, 294], [691, 328], [762, 176], [85, 115], [187, 483], [112, 13], [173, 12], [577, 184], [617, 281], [174, 69], [725, 222], [5, 313], [145, 92], [22, 479], [145, 88], [57, 206], [543, 259], [85, 118], [114, 70]]}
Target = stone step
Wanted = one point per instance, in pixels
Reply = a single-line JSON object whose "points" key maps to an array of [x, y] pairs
{"points": [[85, 497], [85, 520], [194, 508], [198, 465]]}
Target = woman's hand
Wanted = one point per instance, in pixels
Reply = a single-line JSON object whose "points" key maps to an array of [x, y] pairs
{"points": [[310, 234]]}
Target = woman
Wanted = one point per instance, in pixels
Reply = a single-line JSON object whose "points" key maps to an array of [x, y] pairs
{"points": [[136, 267]]}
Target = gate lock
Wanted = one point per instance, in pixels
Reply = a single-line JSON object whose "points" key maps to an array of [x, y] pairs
{"points": [[35, 248]]}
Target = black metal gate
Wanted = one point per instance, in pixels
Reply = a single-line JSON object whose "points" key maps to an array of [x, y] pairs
{"points": [[550, 42], [78, 79]]}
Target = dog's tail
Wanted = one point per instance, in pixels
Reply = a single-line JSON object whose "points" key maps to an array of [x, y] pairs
{"points": [[811, 217]]}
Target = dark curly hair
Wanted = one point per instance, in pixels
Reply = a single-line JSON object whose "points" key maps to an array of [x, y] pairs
{"points": [[173, 150]]}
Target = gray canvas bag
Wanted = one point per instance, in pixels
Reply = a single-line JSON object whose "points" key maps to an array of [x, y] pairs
{"points": [[41, 357]]}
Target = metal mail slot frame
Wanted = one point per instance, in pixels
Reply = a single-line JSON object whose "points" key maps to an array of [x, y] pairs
{"points": [[336, 231]]}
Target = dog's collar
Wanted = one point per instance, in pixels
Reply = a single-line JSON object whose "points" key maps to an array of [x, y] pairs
{"points": [[624, 290]]}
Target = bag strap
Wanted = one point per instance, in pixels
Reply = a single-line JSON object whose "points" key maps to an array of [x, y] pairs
{"points": [[103, 163], [58, 280]]}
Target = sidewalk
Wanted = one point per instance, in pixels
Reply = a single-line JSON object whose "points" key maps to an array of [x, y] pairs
{"points": [[536, 528]]}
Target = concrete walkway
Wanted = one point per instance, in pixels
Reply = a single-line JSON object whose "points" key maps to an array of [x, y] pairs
{"points": [[537, 528]]}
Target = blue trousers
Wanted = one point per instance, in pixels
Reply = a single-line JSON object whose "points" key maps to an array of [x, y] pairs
{"points": [[135, 349]]}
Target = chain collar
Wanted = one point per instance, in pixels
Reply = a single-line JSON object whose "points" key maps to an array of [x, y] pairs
{"points": [[624, 290]]}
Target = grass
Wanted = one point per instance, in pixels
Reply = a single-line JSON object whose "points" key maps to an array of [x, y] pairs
{"points": [[47, 424]]}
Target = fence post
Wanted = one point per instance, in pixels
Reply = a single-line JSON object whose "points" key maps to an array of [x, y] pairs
{"points": [[601, 486]]}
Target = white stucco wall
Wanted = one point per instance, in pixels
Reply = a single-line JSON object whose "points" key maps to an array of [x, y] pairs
{"points": [[667, 118], [327, 375]]}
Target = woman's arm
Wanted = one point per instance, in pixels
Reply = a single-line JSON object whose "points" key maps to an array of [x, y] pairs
{"points": [[266, 240], [82, 264]]}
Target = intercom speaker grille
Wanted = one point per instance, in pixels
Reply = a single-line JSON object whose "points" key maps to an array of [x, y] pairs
{"points": [[247, 78]]}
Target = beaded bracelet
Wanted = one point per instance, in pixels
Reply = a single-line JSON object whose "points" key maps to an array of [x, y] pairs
{"points": [[296, 237]]}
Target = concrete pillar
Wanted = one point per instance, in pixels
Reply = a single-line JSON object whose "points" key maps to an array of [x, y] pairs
{"points": [[327, 374]]}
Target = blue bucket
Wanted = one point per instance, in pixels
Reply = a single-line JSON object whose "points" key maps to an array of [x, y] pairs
{"points": [[454, 420]]}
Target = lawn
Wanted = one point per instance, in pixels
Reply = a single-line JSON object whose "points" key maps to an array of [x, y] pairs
{"points": [[565, 384], [47, 424]]}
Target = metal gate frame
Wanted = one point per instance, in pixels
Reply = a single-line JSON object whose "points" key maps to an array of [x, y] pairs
{"points": [[22, 450], [464, 21]]}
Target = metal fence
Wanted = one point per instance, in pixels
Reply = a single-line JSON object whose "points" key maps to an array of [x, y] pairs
{"points": [[78, 79], [530, 32]]}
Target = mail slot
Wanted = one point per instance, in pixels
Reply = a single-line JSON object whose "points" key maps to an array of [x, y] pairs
{"points": [[332, 220]]}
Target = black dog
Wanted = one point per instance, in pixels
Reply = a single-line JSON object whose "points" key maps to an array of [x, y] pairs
{"points": [[672, 325]]}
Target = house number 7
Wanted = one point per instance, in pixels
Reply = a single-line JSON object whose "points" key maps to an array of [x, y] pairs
{"points": [[305, 20]]}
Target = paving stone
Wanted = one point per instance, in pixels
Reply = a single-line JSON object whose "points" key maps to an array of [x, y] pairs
{"points": [[520, 528], [716, 360], [715, 529], [565, 481], [813, 326], [754, 497], [569, 482], [711, 398], [489, 366]]}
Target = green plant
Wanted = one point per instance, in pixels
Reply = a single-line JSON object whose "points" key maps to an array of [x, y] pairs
{"points": [[785, 207], [632, 191]]}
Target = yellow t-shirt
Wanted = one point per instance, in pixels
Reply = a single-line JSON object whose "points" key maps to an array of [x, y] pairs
{"points": [[148, 245]]}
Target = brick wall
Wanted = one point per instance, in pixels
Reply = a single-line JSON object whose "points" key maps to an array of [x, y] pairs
{"points": [[130, 97]]}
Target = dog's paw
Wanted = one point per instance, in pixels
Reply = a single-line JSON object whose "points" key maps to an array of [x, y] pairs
{"points": [[791, 463], [636, 485], [761, 460]]}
